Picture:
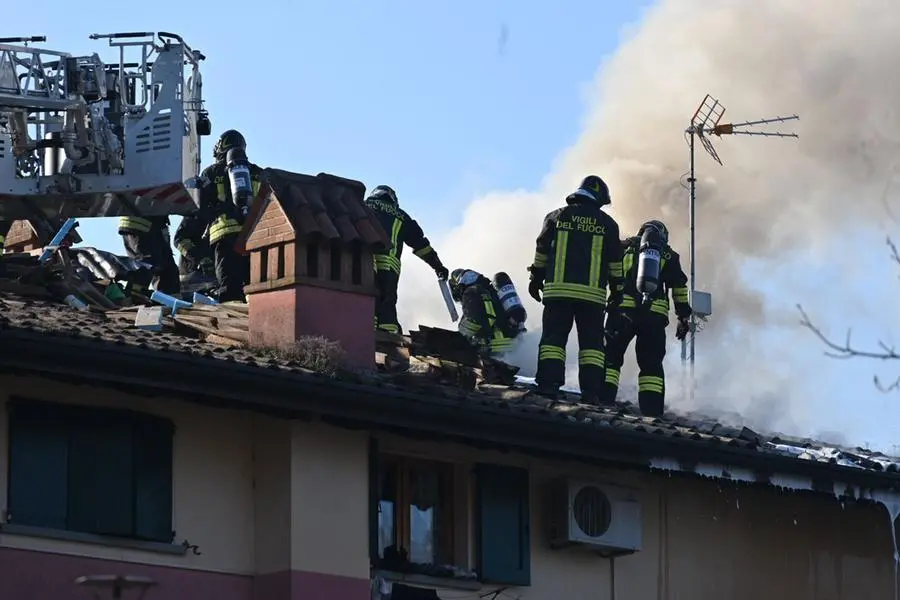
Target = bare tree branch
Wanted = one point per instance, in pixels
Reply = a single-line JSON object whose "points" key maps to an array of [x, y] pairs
{"points": [[847, 350]]}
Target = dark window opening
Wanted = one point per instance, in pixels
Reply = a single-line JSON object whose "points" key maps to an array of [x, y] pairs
{"points": [[312, 260], [90, 470], [356, 264], [264, 264]]}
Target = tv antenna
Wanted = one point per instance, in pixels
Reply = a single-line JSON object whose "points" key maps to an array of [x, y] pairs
{"points": [[706, 122]]}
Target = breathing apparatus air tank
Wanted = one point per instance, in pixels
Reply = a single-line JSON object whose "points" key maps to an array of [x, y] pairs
{"points": [[510, 300], [649, 262], [239, 175]]}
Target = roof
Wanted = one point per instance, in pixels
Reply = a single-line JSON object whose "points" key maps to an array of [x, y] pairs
{"points": [[43, 336], [326, 206]]}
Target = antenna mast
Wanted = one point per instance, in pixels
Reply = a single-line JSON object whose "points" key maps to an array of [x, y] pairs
{"points": [[706, 122]]}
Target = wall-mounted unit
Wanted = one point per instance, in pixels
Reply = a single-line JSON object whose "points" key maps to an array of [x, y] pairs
{"points": [[602, 516]]}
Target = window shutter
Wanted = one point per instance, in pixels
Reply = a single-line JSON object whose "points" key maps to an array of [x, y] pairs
{"points": [[101, 472], [37, 465], [153, 462], [504, 539]]}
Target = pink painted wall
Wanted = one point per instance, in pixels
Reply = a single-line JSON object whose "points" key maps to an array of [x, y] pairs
{"points": [[31, 575], [278, 317]]}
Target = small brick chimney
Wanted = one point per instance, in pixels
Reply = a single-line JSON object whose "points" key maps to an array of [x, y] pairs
{"points": [[21, 238], [310, 241]]}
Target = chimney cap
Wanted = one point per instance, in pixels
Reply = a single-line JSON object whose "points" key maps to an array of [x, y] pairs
{"points": [[326, 206]]}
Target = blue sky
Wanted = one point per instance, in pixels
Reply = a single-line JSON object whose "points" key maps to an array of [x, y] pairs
{"points": [[443, 101], [419, 95]]}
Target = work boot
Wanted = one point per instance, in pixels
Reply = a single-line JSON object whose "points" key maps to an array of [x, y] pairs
{"points": [[651, 405], [547, 391]]}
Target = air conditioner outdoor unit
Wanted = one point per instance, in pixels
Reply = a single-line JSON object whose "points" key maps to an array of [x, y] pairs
{"points": [[602, 516]]}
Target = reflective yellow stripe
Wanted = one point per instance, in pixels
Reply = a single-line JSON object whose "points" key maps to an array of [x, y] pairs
{"points": [[612, 376], [559, 263], [628, 301], [594, 358], [575, 291], [386, 262], [660, 306], [651, 383], [135, 224], [423, 251], [255, 183], [223, 226], [395, 236], [596, 261], [540, 260], [220, 190], [627, 262], [615, 269], [680, 294], [390, 328], [468, 326], [547, 352]]}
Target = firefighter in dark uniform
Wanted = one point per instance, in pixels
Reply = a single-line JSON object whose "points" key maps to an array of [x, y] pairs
{"points": [[147, 239], [222, 219], [646, 322], [196, 257], [484, 322], [402, 229], [578, 255]]}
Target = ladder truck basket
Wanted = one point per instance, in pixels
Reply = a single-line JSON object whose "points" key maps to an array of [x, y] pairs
{"points": [[83, 138]]}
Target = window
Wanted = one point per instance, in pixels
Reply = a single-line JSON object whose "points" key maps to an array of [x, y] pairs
{"points": [[90, 470], [415, 511], [421, 511]]}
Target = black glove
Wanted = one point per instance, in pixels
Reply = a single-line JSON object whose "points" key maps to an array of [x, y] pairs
{"points": [[535, 287], [442, 272], [207, 267], [682, 329]]}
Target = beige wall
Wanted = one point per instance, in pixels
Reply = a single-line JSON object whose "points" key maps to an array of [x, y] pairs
{"points": [[262, 495]]}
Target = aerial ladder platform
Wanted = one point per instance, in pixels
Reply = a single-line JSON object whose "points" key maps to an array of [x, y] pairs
{"points": [[80, 137]]}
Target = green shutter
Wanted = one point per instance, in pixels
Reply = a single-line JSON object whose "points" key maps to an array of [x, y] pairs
{"points": [[374, 499], [37, 464], [503, 539], [101, 472], [153, 459]]}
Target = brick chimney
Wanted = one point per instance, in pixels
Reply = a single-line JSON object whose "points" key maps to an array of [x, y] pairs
{"points": [[23, 237], [310, 241]]}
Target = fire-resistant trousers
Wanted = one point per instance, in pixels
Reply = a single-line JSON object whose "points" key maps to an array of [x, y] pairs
{"points": [[649, 330], [232, 269], [152, 247], [386, 282], [559, 315]]}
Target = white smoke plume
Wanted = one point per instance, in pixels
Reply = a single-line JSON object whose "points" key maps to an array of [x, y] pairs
{"points": [[775, 204]]}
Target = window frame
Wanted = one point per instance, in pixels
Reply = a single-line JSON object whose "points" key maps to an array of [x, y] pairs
{"points": [[445, 532], [25, 418]]}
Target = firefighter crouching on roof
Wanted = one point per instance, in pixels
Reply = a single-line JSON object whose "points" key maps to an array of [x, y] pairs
{"points": [[196, 261], [578, 253], [147, 239], [651, 269], [222, 215], [488, 322], [402, 229]]}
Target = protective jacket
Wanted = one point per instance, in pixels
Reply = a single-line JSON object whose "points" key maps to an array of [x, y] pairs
{"points": [[141, 225], [217, 210], [578, 253], [402, 229], [672, 278], [484, 319]]}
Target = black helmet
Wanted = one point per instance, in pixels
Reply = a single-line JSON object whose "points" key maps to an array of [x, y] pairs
{"points": [[385, 193], [460, 279], [595, 189], [659, 226], [228, 140]]}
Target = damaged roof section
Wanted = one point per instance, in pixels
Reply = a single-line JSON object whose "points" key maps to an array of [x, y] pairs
{"points": [[324, 206]]}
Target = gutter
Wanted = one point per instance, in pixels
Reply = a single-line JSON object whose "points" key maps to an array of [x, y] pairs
{"points": [[214, 380]]}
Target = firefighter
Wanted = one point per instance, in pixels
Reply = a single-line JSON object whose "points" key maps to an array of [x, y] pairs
{"points": [[222, 218], [484, 322], [147, 239], [196, 257], [646, 321], [578, 254], [402, 229]]}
